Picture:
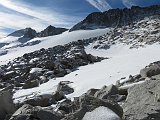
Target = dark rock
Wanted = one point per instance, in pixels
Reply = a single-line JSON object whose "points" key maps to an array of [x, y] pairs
{"points": [[63, 87], [6, 104], [115, 17], [31, 84], [26, 33], [42, 101], [50, 30], [65, 106]]}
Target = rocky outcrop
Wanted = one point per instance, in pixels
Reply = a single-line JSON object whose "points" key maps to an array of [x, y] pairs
{"points": [[116, 17], [38, 67], [51, 30], [106, 91]]}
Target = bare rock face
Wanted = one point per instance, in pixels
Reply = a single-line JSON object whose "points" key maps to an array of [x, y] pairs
{"points": [[143, 101], [6, 104]]}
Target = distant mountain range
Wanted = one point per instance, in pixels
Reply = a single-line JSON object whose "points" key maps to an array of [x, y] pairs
{"points": [[31, 33]]}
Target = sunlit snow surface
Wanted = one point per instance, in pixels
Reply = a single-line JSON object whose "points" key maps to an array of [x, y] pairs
{"points": [[122, 62], [101, 113]]}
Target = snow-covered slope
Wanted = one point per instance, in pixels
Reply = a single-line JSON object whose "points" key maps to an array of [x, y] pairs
{"points": [[11, 48]]}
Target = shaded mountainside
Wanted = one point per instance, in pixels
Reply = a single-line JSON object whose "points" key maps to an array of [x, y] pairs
{"points": [[51, 30], [116, 17]]}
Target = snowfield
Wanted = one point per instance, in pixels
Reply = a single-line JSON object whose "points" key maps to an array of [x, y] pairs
{"points": [[121, 63]]}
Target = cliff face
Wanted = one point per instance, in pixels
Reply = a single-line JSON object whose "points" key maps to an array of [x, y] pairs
{"points": [[116, 17]]}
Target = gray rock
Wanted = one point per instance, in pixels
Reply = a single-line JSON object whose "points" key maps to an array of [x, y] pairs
{"points": [[86, 103], [106, 91], [45, 100], [151, 70], [27, 112], [91, 92], [31, 84], [6, 104], [63, 87], [143, 101]]}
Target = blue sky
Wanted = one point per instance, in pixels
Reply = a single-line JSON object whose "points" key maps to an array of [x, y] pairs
{"points": [[38, 14]]}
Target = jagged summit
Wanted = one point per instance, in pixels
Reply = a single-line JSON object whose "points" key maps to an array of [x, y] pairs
{"points": [[116, 17]]}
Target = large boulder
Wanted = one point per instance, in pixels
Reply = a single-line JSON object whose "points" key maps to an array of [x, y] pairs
{"points": [[106, 91], [45, 99], [143, 101], [6, 104], [27, 112], [65, 88], [151, 70]]}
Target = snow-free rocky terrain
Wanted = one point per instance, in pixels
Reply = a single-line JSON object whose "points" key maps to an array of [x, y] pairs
{"points": [[100, 74]]}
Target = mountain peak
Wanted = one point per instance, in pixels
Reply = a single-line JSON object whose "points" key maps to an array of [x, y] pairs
{"points": [[27, 32], [51, 30]]}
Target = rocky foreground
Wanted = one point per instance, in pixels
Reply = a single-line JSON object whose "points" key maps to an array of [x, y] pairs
{"points": [[137, 98]]}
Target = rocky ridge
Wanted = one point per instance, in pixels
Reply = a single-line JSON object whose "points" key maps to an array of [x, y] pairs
{"points": [[116, 17]]}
